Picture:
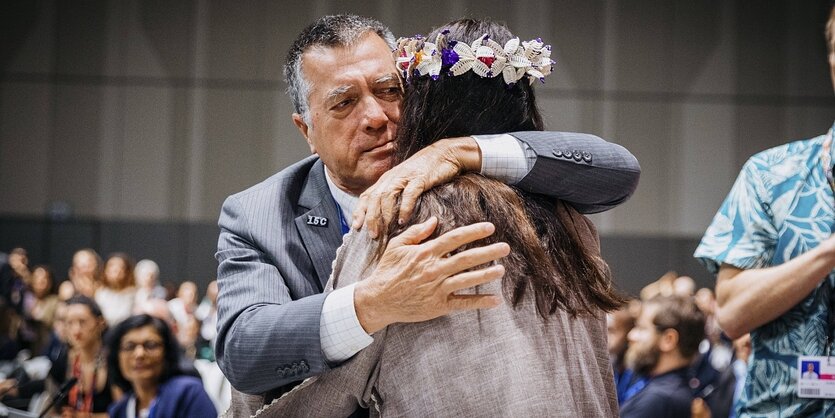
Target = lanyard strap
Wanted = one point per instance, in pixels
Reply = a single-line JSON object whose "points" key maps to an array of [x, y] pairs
{"points": [[80, 398], [342, 222]]}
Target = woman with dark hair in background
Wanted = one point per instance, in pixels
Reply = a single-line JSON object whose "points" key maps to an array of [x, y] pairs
{"points": [[144, 358], [84, 360], [40, 305], [543, 353]]}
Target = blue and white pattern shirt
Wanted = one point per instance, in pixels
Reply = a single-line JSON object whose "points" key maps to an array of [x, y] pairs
{"points": [[780, 206]]}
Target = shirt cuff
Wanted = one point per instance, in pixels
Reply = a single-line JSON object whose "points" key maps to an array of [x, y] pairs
{"points": [[340, 331], [503, 157]]}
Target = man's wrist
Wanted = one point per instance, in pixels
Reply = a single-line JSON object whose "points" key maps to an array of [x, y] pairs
{"points": [[464, 151], [366, 305], [340, 332], [504, 158]]}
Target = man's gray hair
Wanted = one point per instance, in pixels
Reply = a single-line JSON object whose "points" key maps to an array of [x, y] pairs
{"points": [[329, 31]]}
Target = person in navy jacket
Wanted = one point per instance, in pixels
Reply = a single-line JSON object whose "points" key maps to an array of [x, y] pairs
{"points": [[143, 356]]}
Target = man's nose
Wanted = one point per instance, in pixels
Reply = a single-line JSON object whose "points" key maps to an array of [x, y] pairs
{"points": [[375, 115]]}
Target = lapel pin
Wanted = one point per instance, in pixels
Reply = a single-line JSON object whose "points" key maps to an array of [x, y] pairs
{"points": [[317, 220]]}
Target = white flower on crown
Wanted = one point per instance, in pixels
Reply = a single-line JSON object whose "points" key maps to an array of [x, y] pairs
{"points": [[416, 57]]}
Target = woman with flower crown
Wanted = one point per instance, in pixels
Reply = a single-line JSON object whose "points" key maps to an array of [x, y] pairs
{"points": [[541, 353]]}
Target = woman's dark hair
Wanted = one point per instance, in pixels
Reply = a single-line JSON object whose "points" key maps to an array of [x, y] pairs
{"points": [[88, 302], [549, 258], [466, 104], [171, 356]]}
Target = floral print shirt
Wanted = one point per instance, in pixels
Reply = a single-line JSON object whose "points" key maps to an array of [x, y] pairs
{"points": [[780, 206]]}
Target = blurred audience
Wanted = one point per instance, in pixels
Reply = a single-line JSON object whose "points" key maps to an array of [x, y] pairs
{"points": [[117, 292], [85, 272], [14, 276], [146, 273], [684, 286], [43, 301], [206, 313], [662, 345], [39, 305], [183, 306], [664, 286], [66, 290], [85, 361], [159, 309], [9, 345], [66, 328], [618, 326], [57, 342]]}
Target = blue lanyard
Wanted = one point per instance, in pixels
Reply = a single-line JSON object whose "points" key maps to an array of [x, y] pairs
{"points": [[152, 409], [342, 222]]}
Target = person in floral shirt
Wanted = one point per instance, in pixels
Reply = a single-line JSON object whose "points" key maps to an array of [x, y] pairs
{"points": [[772, 247]]}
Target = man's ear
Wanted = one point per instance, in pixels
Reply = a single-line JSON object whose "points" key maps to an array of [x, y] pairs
{"points": [[302, 126], [668, 341]]}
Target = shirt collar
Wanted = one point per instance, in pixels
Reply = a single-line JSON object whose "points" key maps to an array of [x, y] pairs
{"points": [[346, 201]]}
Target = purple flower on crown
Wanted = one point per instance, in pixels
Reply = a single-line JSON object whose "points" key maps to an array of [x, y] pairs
{"points": [[449, 57]]}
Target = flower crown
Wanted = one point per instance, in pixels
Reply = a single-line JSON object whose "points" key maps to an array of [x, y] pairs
{"points": [[416, 57]]}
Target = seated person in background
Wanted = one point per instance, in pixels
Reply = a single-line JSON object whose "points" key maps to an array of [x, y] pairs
{"points": [[118, 291], [183, 306], [85, 361], [42, 301], [146, 273], [662, 346], [158, 308], [143, 355], [543, 353], [85, 272], [618, 325]]}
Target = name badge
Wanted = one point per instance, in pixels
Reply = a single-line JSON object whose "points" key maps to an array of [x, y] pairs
{"points": [[317, 220], [816, 377]]}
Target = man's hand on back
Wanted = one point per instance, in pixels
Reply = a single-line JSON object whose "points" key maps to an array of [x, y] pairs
{"points": [[416, 281]]}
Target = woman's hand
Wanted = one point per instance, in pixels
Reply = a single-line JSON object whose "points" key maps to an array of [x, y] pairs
{"points": [[427, 168]]}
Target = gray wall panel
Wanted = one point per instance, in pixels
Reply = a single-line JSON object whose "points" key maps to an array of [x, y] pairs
{"points": [[147, 153], [24, 154], [28, 36], [74, 154], [80, 47], [576, 31]]}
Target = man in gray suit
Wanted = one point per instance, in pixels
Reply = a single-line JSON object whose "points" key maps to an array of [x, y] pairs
{"points": [[279, 237]]}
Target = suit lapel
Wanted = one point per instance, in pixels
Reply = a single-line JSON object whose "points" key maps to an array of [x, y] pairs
{"points": [[321, 241]]}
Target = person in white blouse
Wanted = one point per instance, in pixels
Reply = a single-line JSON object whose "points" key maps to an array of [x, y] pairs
{"points": [[118, 291]]}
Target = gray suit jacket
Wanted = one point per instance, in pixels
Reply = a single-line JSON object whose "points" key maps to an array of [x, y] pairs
{"points": [[502, 362], [274, 263]]}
